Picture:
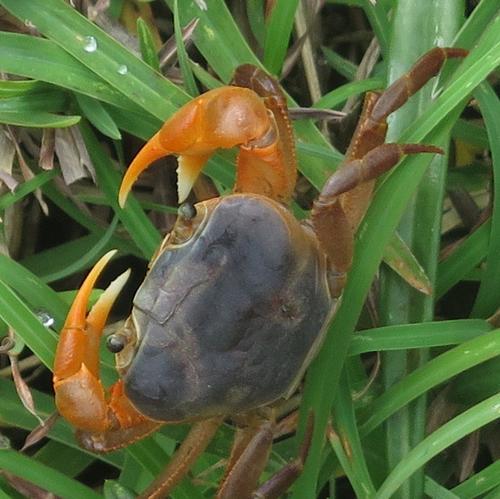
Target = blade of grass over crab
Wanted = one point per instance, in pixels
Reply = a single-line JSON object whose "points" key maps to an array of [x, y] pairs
{"points": [[279, 27], [423, 335], [380, 222], [133, 218], [479, 483], [26, 188], [339, 95], [95, 112], [488, 299], [182, 56], [99, 52], [470, 253], [434, 372], [147, 45], [455, 429], [44, 476]]}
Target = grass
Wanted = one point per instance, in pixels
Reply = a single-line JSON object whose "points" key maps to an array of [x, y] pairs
{"points": [[391, 429]]}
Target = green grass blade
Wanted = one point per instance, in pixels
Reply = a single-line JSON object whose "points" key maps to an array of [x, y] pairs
{"points": [[347, 430], [446, 435], [480, 482], [343, 66], [436, 491], [132, 217], [95, 49], [26, 188], [420, 224], [69, 260], [53, 65], [26, 324], [37, 119], [187, 73], [147, 44], [339, 95], [431, 374], [380, 24], [488, 299], [463, 259], [44, 476], [423, 335], [278, 32], [37, 294], [96, 113]]}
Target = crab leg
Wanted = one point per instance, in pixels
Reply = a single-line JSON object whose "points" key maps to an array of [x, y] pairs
{"points": [[192, 447], [345, 197], [80, 395], [328, 216], [249, 457], [372, 125], [222, 118]]}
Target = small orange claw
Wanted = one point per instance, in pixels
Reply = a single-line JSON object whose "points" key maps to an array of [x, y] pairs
{"points": [[224, 118], [80, 396]]}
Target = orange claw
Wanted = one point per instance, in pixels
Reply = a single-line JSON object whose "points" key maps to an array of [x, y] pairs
{"points": [[80, 396], [222, 118]]}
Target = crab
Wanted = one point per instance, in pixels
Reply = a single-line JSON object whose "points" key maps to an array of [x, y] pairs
{"points": [[238, 297]]}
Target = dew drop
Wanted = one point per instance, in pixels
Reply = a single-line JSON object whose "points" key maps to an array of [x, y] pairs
{"points": [[90, 44], [46, 319], [123, 70]]}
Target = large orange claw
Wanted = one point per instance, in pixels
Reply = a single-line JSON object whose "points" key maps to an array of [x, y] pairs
{"points": [[223, 118], [80, 396]]}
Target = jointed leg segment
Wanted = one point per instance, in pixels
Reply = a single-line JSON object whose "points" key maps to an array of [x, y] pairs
{"points": [[345, 197]]}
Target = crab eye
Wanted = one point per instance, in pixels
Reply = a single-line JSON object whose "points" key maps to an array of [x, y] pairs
{"points": [[115, 343], [187, 211]]}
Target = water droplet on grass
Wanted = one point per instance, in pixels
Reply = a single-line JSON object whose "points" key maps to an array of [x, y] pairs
{"points": [[123, 70], [46, 319], [90, 44]]}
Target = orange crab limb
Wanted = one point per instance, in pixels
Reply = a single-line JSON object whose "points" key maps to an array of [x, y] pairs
{"points": [[80, 395], [222, 118]]}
